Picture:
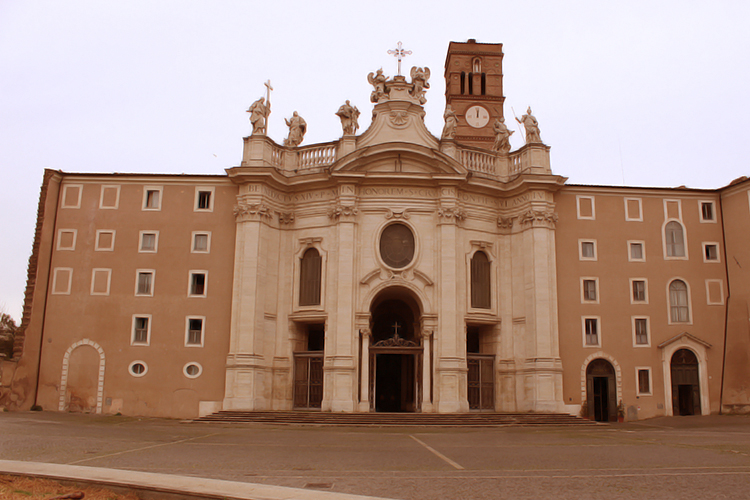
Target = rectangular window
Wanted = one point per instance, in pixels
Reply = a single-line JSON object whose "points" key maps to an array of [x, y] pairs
{"points": [[61, 281], [591, 332], [633, 211], [195, 328], [198, 282], [640, 331], [109, 197], [708, 214], [585, 206], [587, 249], [100, 280], [636, 251], [588, 287], [66, 239], [144, 284], [710, 252], [71, 197], [105, 240], [149, 241], [644, 381], [204, 199], [201, 242], [141, 330], [639, 291], [152, 197]]}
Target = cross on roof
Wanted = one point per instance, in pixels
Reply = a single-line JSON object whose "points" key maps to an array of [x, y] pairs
{"points": [[396, 326], [399, 53]]}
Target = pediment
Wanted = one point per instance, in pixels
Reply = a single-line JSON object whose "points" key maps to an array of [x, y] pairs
{"points": [[399, 158], [684, 336]]}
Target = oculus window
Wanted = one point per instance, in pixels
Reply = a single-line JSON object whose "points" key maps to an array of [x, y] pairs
{"points": [[397, 246]]}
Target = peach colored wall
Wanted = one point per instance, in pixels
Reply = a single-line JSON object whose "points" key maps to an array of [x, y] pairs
{"points": [[108, 320], [611, 232]]}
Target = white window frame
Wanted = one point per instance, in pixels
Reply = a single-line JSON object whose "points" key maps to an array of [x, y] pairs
{"points": [[93, 279], [116, 187], [55, 278], [638, 381], [98, 247], [60, 233], [198, 190], [208, 242], [65, 195], [146, 190], [630, 291], [138, 273], [648, 331], [195, 272], [584, 300], [578, 207], [689, 302], [721, 292], [640, 210], [664, 240], [713, 211], [136, 362], [187, 331], [190, 363], [718, 253], [643, 250], [148, 330], [581, 241], [598, 330], [140, 241]]}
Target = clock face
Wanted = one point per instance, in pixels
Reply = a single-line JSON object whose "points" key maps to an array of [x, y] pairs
{"points": [[477, 116]]}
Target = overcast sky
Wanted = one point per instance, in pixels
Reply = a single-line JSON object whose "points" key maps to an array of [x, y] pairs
{"points": [[648, 93]]}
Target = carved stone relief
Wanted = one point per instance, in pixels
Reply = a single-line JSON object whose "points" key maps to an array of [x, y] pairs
{"points": [[455, 214], [252, 211], [392, 214], [342, 211], [539, 218]]}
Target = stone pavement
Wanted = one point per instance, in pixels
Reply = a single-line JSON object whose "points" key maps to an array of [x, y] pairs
{"points": [[666, 458]]}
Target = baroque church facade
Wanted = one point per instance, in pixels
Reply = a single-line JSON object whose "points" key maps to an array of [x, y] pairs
{"points": [[387, 271]]}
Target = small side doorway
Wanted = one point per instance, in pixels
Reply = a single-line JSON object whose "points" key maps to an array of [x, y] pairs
{"points": [[308, 370], [601, 391], [686, 396], [481, 376]]}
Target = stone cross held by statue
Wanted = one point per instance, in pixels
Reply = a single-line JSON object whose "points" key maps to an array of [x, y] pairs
{"points": [[399, 53]]}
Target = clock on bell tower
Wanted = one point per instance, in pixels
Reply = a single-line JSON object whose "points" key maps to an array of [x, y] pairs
{"points": [[474, 89]]}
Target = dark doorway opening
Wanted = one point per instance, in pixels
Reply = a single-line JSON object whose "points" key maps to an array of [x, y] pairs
{"points": [[481, 368], [308, 368], [395, 382], [601, 391], [686, 398]]}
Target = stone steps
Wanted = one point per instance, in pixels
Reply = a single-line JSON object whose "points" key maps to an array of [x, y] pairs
{"points": [[396, 419]]}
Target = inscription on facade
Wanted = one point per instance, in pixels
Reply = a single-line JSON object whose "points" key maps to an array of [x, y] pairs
{"points": [[400, 191]]}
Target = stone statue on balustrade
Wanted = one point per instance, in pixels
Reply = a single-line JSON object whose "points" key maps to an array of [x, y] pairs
{"points": [[451, 122], [259, 112], [502, 136], [297, 128], [419, 77], [531, 126], [349, 115], [377, 80]]}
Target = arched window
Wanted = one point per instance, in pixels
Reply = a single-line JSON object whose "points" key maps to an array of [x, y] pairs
{"points": [[309, 278], [476, 65], [679, 311], [484, 84], [471, 83], [463, 82], [480, 281], [675, 239]]}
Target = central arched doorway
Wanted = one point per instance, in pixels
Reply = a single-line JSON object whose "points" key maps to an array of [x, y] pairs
{"points": [[395, 354], [686, 393], [601, 391]]}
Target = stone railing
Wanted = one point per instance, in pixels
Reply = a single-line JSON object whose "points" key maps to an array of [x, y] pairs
{"points": [[318, 155], [530, 157], [479, 161]]}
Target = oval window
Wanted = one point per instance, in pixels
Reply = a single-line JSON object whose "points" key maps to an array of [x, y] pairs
{"points": [[192, 370], [137, 368], [397, 246]]}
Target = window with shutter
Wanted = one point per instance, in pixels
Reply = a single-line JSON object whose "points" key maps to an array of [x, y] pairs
{"points": [[310, 278], [480, 281]]}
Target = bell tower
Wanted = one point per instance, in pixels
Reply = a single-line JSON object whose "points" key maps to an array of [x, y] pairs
{"points": [[474, 89]]}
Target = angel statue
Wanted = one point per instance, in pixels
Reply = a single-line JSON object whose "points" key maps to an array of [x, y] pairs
{"points": [[259, 112], [297, 128], [349, 115], [531, 126], [502, 136], [451, 121], [377, 80], [419, 77]]}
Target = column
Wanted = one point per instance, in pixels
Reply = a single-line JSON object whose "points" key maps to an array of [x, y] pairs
{"points": [[364, 388], [426, 371]]}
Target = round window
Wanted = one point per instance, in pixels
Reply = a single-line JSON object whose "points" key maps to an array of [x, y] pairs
{"points": [[192, 370], [138, 368], [397, 246]]}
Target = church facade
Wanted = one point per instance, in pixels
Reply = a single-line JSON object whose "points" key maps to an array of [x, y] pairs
{"points": [[387, 271]]}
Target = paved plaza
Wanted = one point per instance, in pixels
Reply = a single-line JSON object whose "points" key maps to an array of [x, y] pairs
{"points": [[665, 458]]}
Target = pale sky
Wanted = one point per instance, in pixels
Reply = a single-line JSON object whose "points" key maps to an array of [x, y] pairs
{"points": [[647, 93]]}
